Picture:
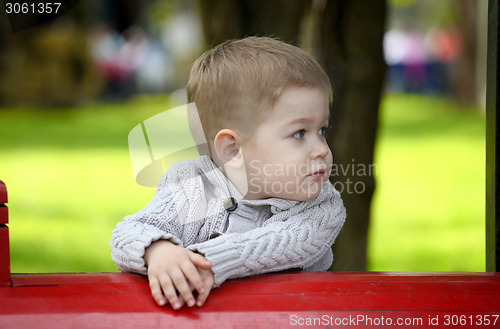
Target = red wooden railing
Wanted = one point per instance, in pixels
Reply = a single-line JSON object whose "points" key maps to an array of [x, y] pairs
{"points": [[4, 238], [282, 300]]}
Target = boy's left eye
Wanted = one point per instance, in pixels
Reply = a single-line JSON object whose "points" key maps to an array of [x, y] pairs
{"points": [[299, 134]]}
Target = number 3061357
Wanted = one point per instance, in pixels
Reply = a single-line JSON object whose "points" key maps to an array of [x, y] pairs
{"points": [[32, 8]]}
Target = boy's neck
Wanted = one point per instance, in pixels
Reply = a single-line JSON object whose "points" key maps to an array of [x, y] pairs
{"points": [[237, 177]]}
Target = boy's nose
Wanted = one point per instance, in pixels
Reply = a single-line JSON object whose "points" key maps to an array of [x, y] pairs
{"points": [[320, 149]]}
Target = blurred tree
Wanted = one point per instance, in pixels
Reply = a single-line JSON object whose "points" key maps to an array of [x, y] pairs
{"points": [[466, 20], [350, 43], [229, 19], [48, 64], [346, 37]]}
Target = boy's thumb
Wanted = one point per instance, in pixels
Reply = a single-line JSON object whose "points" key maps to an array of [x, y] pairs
{"points": [[200, 261]]}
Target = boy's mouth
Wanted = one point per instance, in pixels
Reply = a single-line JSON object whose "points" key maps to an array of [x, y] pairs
{"points": [[318, 173]]}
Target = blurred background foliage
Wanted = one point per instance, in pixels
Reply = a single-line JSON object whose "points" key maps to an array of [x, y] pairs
{"points": [[72, 89]]}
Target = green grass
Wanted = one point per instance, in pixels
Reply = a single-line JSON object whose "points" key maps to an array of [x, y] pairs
{"points": [[70, 181], [428, 211]]}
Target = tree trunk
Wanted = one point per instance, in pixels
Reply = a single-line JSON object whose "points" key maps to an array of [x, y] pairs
{"points": [[465, 84], [352, 54], [346, 37], [230, 19]]}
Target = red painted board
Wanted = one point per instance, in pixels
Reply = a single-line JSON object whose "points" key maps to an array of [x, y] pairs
{"points": [[3, 192], [333, 299], [68, 279], [253, 320], [4, 257], [251, 283], [136, 298], [111, 298], [4, 214]]}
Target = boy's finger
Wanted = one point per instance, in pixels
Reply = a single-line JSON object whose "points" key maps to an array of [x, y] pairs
{"points": [[170, 293], [202, 297], [156, 291], [200, 261], [179, 280], [194, 279], [181, 300]]}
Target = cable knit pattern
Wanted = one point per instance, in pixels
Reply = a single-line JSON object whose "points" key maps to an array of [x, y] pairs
{"points": [[259, 236]]}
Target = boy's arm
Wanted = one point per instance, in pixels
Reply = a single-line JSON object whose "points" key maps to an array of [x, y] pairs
{"points": [[158, 220], [299, 241], [129, 242]]}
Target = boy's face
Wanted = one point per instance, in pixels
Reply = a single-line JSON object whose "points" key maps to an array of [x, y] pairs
{"points": [[287, 156]]}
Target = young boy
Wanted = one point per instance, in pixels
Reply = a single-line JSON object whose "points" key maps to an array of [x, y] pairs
{"points": [[260, 200]]}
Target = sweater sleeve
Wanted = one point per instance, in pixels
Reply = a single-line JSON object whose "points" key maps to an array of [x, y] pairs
{"points": [[287, 240], [157, 220]]}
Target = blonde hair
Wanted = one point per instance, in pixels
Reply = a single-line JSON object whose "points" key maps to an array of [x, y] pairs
{"points": [[236, 84]]}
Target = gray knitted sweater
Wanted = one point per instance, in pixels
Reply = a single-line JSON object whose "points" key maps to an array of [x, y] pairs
{"points": [[259, 236]]}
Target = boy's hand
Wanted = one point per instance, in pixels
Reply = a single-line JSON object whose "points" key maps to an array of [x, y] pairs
{"points": [[172, 268], [207, 277]]}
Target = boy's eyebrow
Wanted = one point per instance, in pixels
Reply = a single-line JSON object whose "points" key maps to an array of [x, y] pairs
{"points": [[302, 120], [299, 120]]}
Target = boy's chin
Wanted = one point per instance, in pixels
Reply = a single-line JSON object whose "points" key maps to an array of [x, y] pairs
{"points": [[307, 197], [301, 196], [304, 192]]}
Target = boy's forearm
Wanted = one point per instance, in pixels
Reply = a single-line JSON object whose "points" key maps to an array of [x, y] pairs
{"points": [[129, 242]]}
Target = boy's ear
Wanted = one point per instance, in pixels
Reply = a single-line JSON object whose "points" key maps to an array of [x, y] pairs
{"points": [[227, 148]]}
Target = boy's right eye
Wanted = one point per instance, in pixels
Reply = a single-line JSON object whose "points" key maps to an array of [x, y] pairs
{"points": [[299, 134]]}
